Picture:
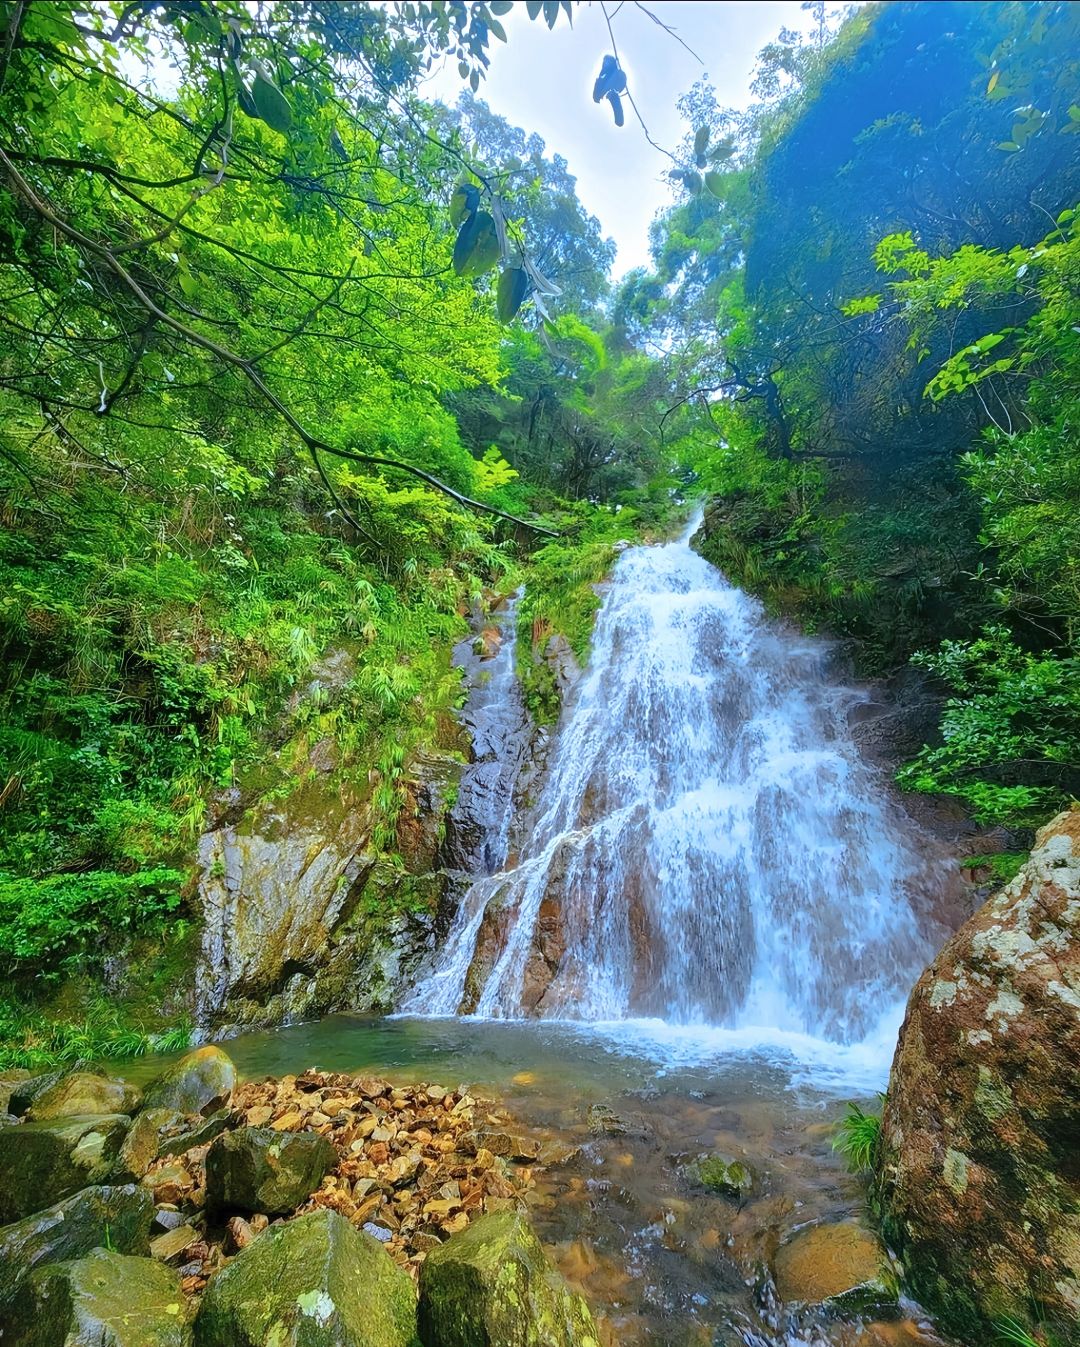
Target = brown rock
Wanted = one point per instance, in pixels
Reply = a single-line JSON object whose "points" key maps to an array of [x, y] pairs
{"points": [[978, 1163], [173, 1243]]}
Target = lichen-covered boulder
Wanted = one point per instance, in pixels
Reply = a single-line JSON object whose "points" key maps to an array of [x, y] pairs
{"points": [[838, 1266], [258, 1169], [82, 1093], [41, 1162], [116, 1216], [977, 1171], [103, 1300], [200, 1082], [312, 1282], [492, 1286]]}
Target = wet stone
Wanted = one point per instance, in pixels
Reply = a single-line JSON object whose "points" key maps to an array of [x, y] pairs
{"points": [[102, 1300], [82, 1093], [42, 1162], [839, 1266], [259, 1169], [119, 1216], [201, 1082]]}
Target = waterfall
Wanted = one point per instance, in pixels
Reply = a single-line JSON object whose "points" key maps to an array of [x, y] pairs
{"points": [[708, 848]]}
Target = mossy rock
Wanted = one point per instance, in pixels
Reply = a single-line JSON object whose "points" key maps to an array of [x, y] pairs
{"points": [[838, 1266], [200, 1082], [82, 1093], [103, 1300], [42, 1162], [722, 1174], [258, 1169], [27, 1090], [312, 1282], [10, 1082], [117, 1216], [493, 1286], [142, 1145]]}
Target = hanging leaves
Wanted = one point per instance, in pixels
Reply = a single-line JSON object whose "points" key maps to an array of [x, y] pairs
{"points": [[271, 105], [610, 83], [513, 287], [701, 140], [464, 203], [714, 182], [476, 249]]}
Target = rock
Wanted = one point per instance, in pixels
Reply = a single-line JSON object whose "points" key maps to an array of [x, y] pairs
{"points": [[28, 1089], [201, 1136], [41, 1162], [721, 1174], [9, 1083], [81, 1094], [977, 1171], [314, 1282], [521, 1149], [142, 1145], [201, 1082], [173, 1243], [119, 1216], [840, 1267], [492, 1286], [102, 1300], [259, 1169]]}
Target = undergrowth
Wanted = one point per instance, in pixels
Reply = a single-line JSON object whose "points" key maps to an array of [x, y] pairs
{"points": [[857, 1138]]}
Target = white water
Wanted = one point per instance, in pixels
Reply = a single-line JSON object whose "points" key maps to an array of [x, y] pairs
{"points": [[714, 861]]}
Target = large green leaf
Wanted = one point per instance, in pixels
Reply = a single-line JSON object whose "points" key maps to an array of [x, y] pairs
{"points": [[476, 249], [464, 202], [513, 284], [271, 104], [715, 183]]}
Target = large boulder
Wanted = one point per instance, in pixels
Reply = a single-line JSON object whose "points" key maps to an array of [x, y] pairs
{"points": [[259, 1169], [141, 1146], [10, 1081], [492, 1286], [200, 1082], [103, 1300], [82, 1093], [118, 1217], [977, 1173], [41, 1162], [26, 1090], [836, 1265], [312, 1282]]}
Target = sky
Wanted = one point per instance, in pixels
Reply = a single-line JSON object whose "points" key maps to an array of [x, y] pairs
{"points": [[542, 81]]}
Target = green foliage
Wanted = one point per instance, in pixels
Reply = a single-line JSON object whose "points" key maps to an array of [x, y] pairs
{"points": [[1012, 1331], [1011, 733], [36, 1041], [858, 1136], [51, 920], [1003, 865]]}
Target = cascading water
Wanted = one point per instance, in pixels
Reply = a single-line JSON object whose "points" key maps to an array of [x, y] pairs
{"points": [[708, 849]]}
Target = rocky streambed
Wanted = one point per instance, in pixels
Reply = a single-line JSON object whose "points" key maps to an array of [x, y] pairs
{"points": [[324, 1209]]}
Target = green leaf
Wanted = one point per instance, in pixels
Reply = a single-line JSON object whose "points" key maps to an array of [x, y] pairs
{"points": [[501, 6], [715, 183], [476, 248], [701, 139], [551, 12], [534, 7], [271, 104], [513, 284], [721, 151], [496, 27], [464, 202]]}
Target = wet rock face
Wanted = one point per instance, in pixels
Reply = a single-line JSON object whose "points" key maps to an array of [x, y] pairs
{"points": [[492, 1284], [301, 919], [83, 1093], [314, 1281], [978, 1173], [838, 1266]]}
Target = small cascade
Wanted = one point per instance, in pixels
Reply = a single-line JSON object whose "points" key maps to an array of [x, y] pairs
{"points": [[709, 849]]}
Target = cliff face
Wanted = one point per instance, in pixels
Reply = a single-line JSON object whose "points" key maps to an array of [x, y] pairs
{"points": [[978, 1174]]}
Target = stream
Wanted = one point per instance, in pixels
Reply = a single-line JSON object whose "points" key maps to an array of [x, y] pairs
{"points": [[699, 939]]}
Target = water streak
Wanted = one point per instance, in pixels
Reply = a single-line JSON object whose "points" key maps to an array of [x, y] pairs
{"points": [[709, 849]]}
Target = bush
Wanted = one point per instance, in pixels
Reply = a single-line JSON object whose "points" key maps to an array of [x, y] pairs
{"points": [[50, 920], [857, 1138]]}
